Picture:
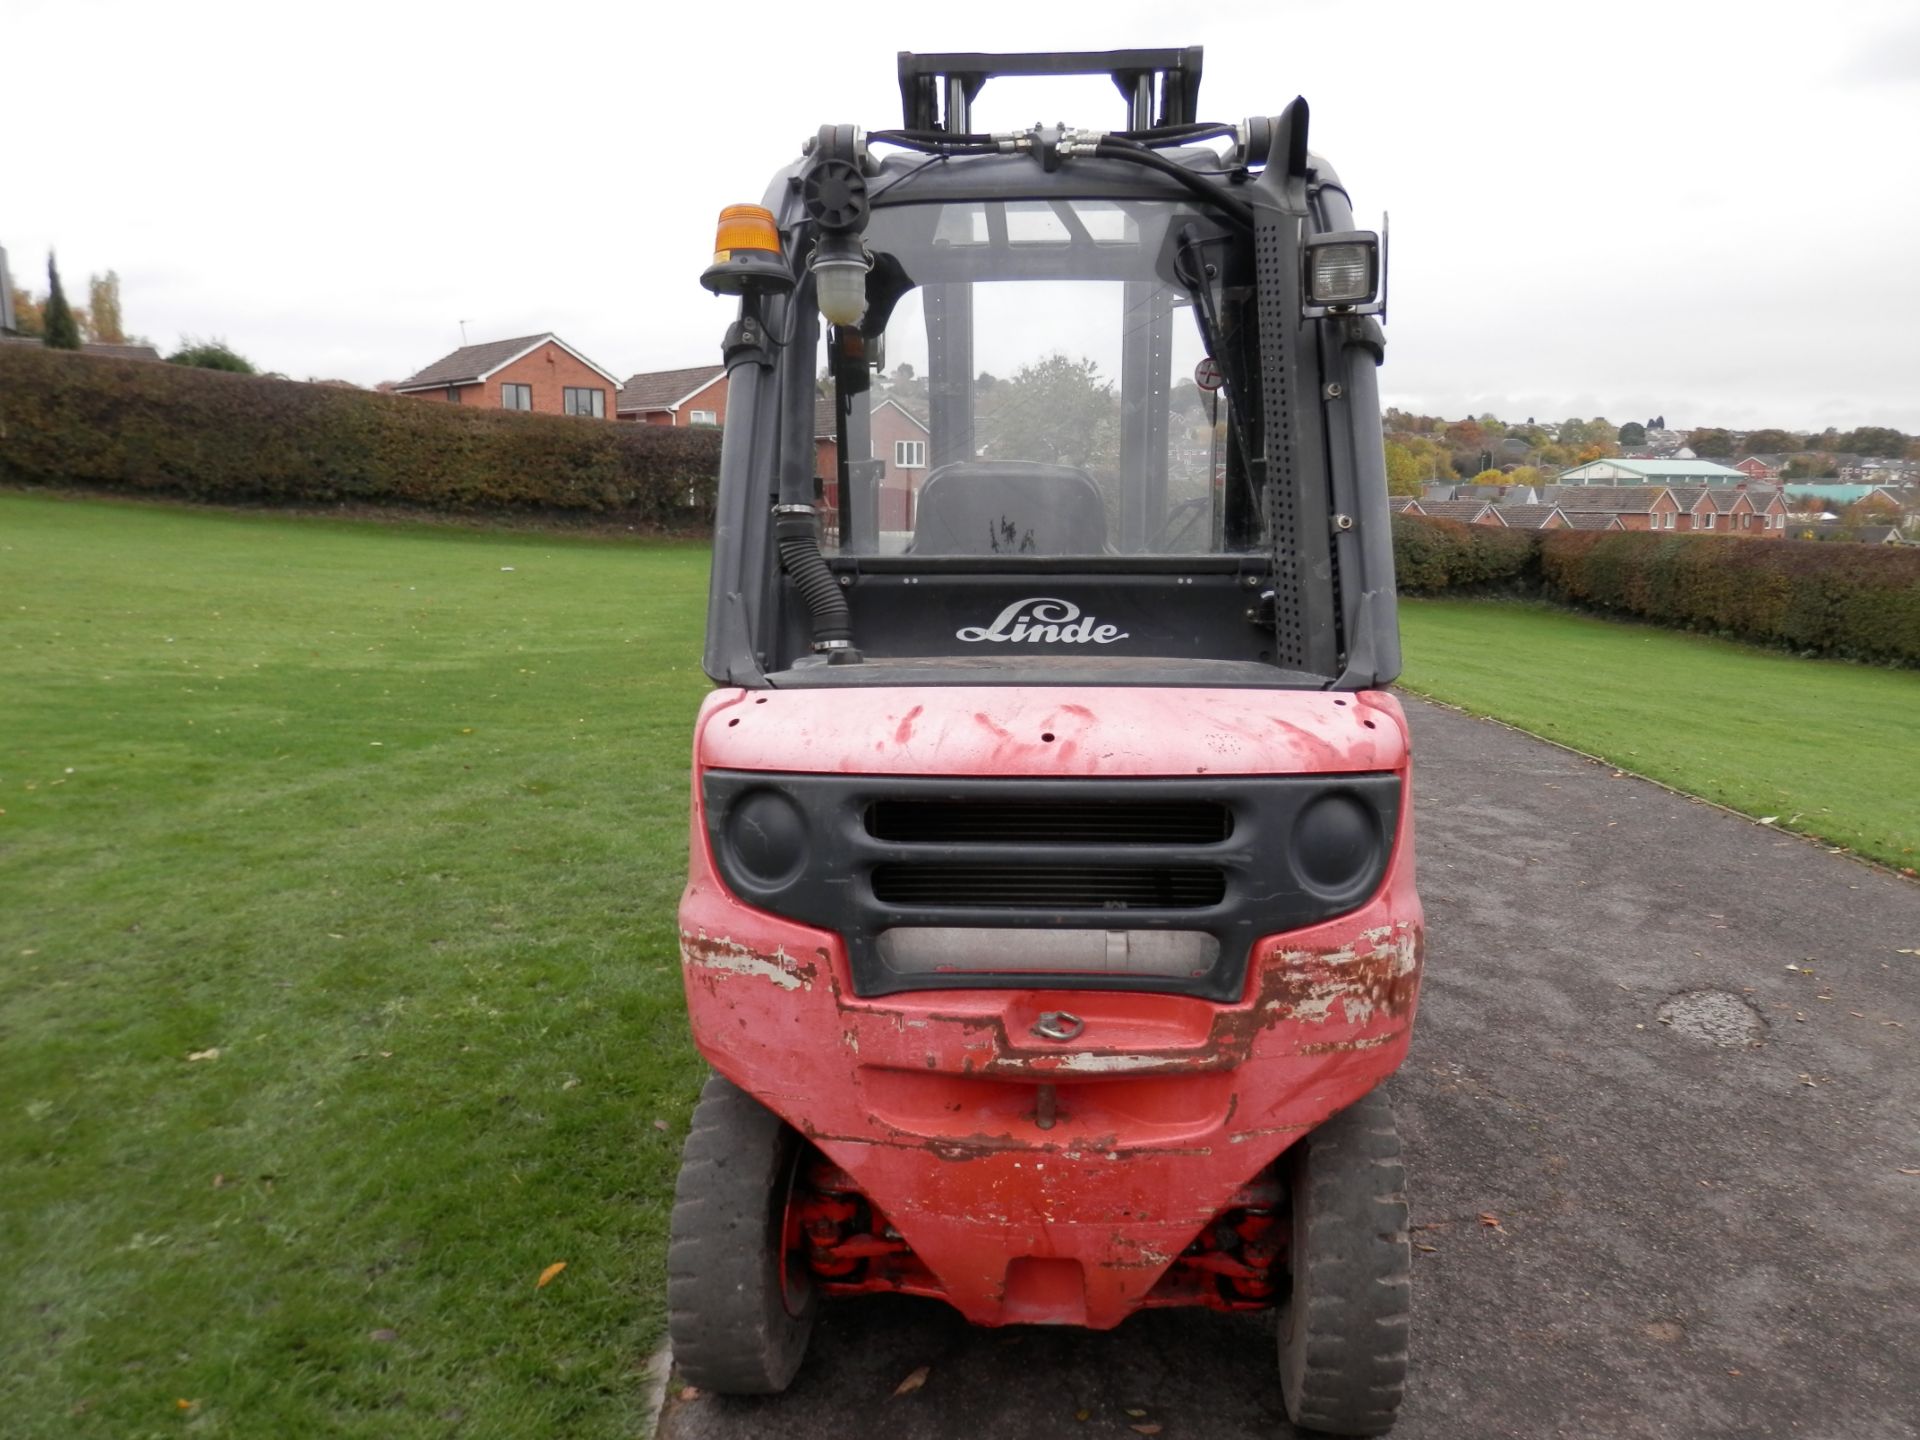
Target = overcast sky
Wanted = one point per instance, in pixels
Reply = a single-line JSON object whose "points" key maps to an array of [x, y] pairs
{"points": [[1710, 211]]}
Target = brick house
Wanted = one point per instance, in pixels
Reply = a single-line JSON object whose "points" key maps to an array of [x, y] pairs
{"points": [[695, 395], [1637, 507], [1530, 517], [1467, 512], [541, 373], [1755, 467], [1739, 511], [900, 445]]}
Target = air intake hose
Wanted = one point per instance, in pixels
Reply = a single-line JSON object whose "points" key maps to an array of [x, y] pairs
{"points": [[798, 541]]}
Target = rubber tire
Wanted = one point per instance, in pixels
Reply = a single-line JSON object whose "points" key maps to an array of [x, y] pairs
{"points": [[727, 1316], [1343, 1331]]}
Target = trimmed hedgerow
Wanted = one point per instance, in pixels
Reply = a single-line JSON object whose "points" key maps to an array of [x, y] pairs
{"points": [[1829, 598], [1430, 554], [125, 425]]}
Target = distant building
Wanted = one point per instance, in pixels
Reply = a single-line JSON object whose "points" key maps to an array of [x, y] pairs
{"points": [[692, 395], [1531, 517], [1651, 472], [1757, 467], [1636, 507], [1467, 512], [541, 373]]}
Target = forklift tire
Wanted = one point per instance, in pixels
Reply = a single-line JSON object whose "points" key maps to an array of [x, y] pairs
{"points": [[738, 1313], [1343, 1332]]}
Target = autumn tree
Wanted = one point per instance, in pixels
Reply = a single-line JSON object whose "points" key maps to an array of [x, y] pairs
{"points": [[1405, 472], [62, 331], [1874, 440], [28, 317], [1713, 443], [1772, 442], [101, 321]]}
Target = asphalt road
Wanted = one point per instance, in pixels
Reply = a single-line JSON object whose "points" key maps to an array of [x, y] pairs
{"points": [[1693, 1239]]}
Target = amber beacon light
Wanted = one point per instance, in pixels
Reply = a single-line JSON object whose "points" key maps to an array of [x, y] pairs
{"points": [[746, 253]]}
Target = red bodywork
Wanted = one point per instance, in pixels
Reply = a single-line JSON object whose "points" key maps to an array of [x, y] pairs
{"points": [[1026, 1180]]}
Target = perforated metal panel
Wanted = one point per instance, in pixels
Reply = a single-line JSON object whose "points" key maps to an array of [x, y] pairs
{"points": [[1295, 470]]}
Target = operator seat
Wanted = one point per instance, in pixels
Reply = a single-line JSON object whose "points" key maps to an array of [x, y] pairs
{"points": [[1009, 507]]}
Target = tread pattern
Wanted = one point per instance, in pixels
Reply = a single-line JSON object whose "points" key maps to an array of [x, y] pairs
{"points": [[726, 1315], [1343, 1334]]}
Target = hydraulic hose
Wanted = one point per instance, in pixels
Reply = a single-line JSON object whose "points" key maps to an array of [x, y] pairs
{"points": [[1113, 148], [798, 541]]}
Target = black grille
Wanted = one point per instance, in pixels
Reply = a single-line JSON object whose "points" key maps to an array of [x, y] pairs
{"points": [[1038, 822], [1049, 887]]}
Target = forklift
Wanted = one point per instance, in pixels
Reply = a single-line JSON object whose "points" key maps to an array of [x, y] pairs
{"points": [[1050, 919]]}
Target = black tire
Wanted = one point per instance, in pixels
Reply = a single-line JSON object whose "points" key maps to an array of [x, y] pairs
{"points": [[1343, 1332], [738, 1315]]}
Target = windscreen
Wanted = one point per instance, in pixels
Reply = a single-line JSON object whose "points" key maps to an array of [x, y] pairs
{"points": [[1044, 386]]}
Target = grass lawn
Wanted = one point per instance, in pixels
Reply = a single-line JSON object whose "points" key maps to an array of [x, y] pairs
{"points": [[1831, 748], [393, 819]]}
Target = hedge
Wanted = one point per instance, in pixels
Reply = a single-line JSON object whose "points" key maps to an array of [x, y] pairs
{"points": [[1827, 597], [128, 425], [1430, 554]]}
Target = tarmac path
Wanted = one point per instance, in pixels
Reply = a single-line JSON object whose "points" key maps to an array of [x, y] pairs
{"points": [[1693, 1239]]}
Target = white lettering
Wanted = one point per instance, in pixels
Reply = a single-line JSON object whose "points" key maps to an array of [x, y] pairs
{"points": [[1042, 620]]}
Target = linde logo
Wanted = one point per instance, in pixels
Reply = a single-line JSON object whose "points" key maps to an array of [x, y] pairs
{"points": [[1043, 621]]}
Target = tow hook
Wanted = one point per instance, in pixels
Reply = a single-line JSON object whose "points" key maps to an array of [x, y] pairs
{"points": [[1058, 1025]]}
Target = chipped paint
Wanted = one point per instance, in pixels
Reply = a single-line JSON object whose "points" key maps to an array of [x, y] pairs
{"points": [[697, 951], [1095, 1063]]}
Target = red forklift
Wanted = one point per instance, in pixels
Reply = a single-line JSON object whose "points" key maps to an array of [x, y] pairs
{"points": [[1050, 920]]}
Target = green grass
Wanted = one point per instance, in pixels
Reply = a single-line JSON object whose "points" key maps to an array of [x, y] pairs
{"points": [[399, 831], [1831, 748]]}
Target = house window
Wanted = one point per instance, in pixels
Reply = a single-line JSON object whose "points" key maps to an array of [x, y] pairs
{"points": [[516, 397], [1706, 521], [453, 394], [703, 417], [910, 454], [581, 400]]}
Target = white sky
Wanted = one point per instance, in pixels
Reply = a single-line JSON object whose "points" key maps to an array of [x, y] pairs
{"points": [[1710, 211]]}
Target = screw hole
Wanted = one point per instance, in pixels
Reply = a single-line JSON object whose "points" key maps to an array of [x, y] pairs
{"points": [[1047, 736], [732, 723], [761, 701], [1339, 702], [1369, 724]]}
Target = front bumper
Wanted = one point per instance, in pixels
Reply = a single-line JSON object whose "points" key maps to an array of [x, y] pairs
{"points": [[1066, 1207]]}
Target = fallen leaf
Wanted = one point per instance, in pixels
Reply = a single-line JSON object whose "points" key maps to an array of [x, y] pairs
{"points": [[546, 1275], [1137, 1414], [913, 1382], [212, 1054], [1905, 1171], [184, 1404], [660, 1125], [1430, 1249], [1491, 1221], [1083, 1414], [1897, 952], [1733, 1372], [385, 1337], [1769, 819], [219, 1182], [689, 1392], [1150, 1428]]}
